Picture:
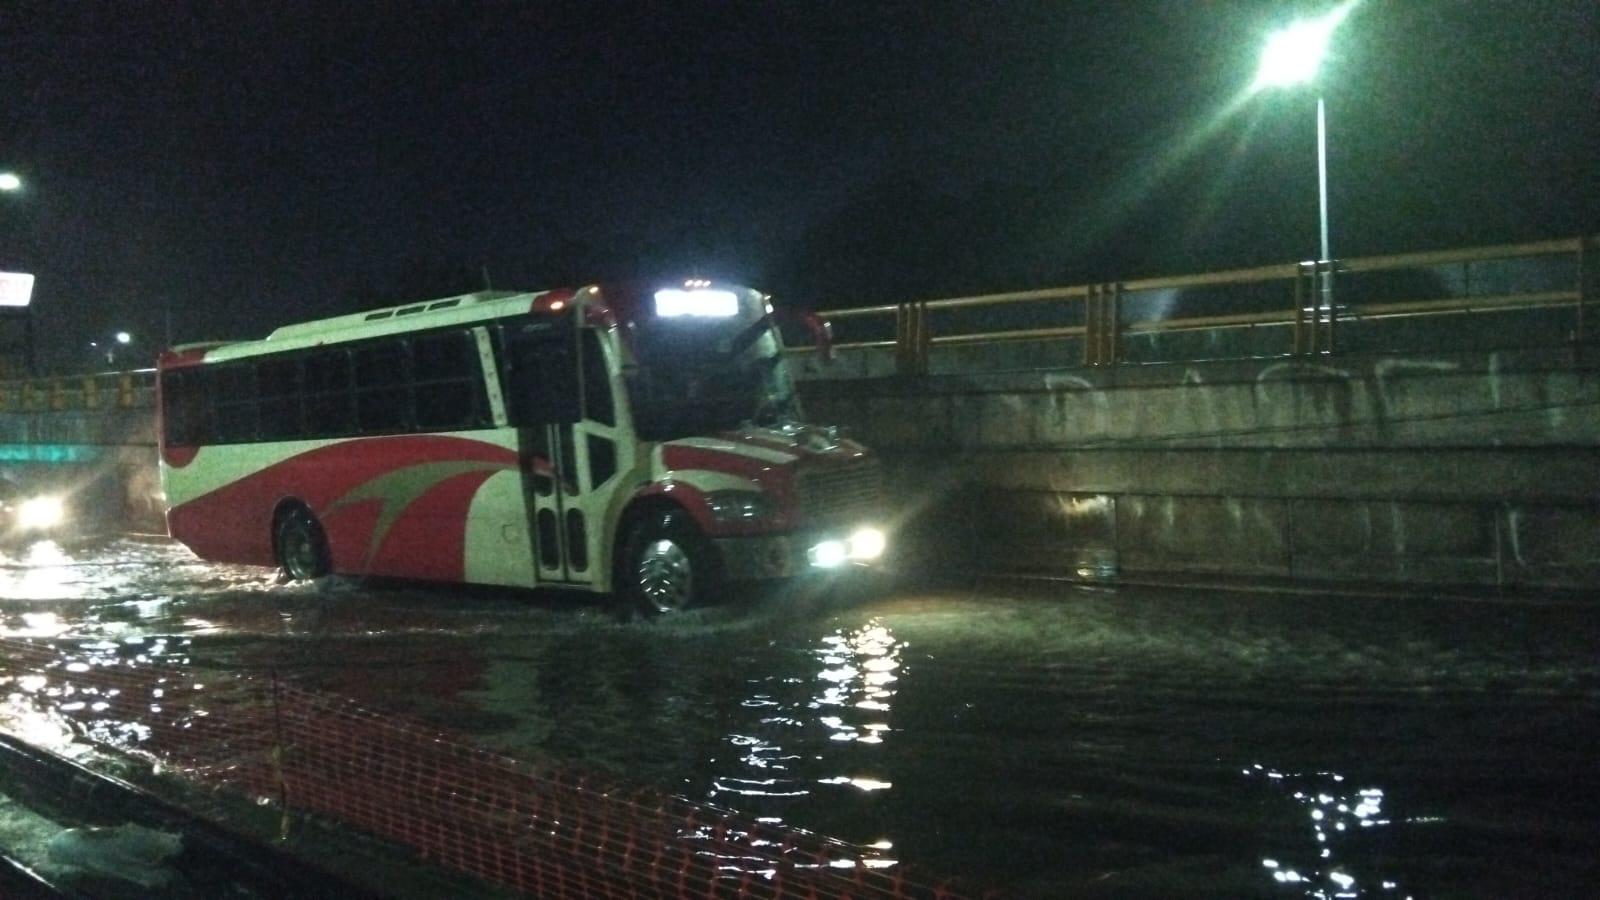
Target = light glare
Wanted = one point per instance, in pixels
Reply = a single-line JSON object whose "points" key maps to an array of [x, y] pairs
{"points": [[829, 554], [10, 182]]}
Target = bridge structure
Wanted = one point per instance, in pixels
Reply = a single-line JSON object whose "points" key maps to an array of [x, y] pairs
{"points": [[1432, 420]]}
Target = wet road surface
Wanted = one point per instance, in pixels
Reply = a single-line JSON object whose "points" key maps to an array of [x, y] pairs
{"points": [[1050, 740]]}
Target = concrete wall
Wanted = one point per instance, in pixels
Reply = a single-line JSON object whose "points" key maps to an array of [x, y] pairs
{"points": [[1471, 468]]}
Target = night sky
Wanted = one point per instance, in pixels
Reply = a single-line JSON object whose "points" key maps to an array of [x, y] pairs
{"points": [[239, 166]]}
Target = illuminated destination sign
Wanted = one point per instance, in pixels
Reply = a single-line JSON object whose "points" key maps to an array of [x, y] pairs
{"points": [[696, 302], [16, 289]]}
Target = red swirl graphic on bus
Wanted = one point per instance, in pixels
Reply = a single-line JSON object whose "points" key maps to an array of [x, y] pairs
{"points": [[388, 505]]}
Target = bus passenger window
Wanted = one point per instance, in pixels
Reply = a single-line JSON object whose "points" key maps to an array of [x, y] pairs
{"points": [[596, 383], [383, 398], [329, 410], [538, 375], [186, 406], [449, 382], [279, 382], [602, 460], [235, 393]]}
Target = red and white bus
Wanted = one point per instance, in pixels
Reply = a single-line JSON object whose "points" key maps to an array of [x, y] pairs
{"points": [[638, 439]]}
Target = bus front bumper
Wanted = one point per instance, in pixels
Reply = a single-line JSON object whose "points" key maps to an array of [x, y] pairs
{"points": [[786, 555]]}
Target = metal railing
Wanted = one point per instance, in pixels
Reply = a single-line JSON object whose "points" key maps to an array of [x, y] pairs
{"points": [[101, 390], [1102, 317], [1289, 297]]}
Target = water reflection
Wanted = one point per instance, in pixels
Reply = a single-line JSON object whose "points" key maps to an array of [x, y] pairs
{"points": [[1336, 814], [41, 571], [56, 693], [781, 756], [36, 624], [859, 669]]}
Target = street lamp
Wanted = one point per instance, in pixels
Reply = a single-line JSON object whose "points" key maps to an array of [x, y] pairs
{"points": [[10, 182], [1292, 56], [112, 348]]}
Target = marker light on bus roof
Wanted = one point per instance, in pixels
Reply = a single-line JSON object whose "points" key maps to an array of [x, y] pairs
{"points": [[697, 302]]}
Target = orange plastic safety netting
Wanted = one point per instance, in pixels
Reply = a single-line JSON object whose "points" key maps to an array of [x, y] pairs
{"points": [[544, 832]]}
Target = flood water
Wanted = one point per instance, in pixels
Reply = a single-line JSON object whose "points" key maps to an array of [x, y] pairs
{"points": [[1049, 740]]}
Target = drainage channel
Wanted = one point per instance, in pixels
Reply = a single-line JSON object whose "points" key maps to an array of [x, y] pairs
{"points": [[72, 832]]}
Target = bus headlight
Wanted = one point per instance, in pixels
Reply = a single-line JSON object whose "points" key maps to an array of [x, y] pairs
{"points": [[738, 506], [867, 544], [40, 513]]}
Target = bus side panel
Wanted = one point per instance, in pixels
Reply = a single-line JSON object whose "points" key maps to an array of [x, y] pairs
{"points": [[499, 548], [413, 490], [425, 539], [240, 534]]}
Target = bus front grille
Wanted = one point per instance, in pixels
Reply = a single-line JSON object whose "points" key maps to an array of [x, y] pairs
{"points": [[841, 494]]}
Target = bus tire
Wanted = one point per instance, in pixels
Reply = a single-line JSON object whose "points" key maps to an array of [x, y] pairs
{"points": [[301, 545], [667, 565]]}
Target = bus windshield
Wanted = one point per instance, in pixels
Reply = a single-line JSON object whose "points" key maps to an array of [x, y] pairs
{"points": [[696, 376]]}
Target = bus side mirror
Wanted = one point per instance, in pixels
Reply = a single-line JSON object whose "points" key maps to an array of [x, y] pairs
{"points": [[821, 335], [797, 327]]}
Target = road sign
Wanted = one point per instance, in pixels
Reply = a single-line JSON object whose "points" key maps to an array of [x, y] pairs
{"points": [[16, 289]]}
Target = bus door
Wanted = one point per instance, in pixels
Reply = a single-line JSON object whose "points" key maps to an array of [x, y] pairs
{"points": [[566, 444]]}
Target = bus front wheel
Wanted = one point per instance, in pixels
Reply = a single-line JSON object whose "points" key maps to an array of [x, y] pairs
{"points": [[667, 565], [302, 548]]}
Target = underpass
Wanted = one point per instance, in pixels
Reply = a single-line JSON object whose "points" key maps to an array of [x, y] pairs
{"points": [[1040, 738], [1402, 702]]}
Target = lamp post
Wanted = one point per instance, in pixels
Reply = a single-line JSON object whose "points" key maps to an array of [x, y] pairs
{"points": [[1292, 56], [9, 181]]}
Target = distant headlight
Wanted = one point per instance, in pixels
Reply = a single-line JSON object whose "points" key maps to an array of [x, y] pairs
{"points": [[40, 513], [739, 506]]}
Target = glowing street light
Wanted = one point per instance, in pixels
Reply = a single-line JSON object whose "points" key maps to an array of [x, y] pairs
{"points": [[1292, 56], [124, 338], [9, 181]]}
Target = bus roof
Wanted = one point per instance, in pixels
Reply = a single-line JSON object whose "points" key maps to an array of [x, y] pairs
{"points": [[623, 301], [440, 312], [364, 320]]}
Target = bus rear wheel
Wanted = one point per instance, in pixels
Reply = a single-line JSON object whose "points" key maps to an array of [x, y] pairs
{"points": [[302, 547], [667, 566]]}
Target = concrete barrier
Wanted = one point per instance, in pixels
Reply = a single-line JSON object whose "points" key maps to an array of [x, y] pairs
{"points": [[1473, 468], [102, 456]]}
